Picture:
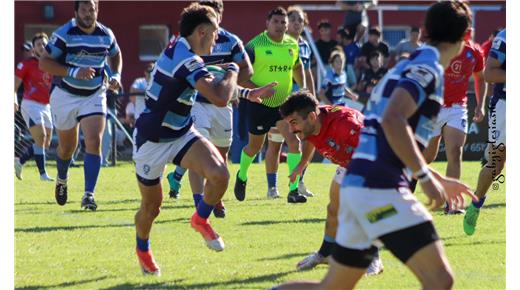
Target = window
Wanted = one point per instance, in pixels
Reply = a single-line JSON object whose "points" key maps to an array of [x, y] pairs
{"points": [[31, 29], [152, 41]]}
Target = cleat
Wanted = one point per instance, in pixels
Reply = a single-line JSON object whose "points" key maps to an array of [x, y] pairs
{"points": [[45, 177], [240, 189], [295, 197], [470, 219], [88, 202], [18, 168], [60, 192], [273, 193], [219, 211], [147, 263], [213, 240], [175, 185], [311, 261], [375, 268], [302, 189]]}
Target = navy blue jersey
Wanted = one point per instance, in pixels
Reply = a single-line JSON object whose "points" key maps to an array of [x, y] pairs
{"points": [[374, 163], [171, 93], [498, 51], [72, 47], [228, 48]]}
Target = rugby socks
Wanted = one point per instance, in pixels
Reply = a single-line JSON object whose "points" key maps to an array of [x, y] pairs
{"points": [[292, 160], [204, 210], [179, 173], [303, 174], [272, 180], [326, 246], [480, 202], [142, 245], [63, 167], [91, 166], [197, 197], [27, 155], [39, 157], [245, 163]]}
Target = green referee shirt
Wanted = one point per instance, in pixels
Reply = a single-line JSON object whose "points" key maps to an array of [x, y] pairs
{"points": [[273, 61]]}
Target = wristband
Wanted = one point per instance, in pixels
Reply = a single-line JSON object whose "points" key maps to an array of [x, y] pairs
{"points": [[244, 93], [72, 71], [116, 76], [232, 67], [425, 170], [424, 178]]}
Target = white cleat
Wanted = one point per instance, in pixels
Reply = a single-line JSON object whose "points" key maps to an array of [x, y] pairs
{"points": [[302, 189], [216, 245], [375, 268], [273, 193], [18, 168], [311, 261], [45, 177]]}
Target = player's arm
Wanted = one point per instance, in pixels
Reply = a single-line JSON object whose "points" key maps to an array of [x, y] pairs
{"points": [[299, 75], [247, 83], [116, 66], [351, 94], [310, 81], [493, 72], [17, 84], [219, 93], [481, 88], [48, 64], [307, 153]]}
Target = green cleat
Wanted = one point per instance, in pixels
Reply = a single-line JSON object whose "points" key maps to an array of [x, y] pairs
{"points": [[470, 219], [175, 185]]}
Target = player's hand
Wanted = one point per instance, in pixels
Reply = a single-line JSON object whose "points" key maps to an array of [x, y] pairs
{"points": [[455, 191], [85, 73], [296, 172], [256, 95], [114, 84], [353, 96], [479, 115], [434, 191]]}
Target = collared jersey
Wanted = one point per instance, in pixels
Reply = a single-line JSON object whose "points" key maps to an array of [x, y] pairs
{"points": [[374, 163], [339, 133], [36, 83], [498, 51], [72, 47]]}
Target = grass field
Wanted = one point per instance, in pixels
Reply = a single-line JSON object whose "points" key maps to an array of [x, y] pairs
{"points": [[66, 247]]}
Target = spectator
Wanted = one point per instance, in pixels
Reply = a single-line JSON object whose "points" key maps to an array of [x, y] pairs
{"points": [[351, 50], [371, 76], [325, 44], [130, 112], [334, 87], [409, 45], [356, 19], [374, 43], [138, 88]]}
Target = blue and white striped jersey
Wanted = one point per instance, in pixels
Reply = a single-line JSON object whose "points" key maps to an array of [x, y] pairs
{"points": [[305, 56], [334, 86], [498, 51], [72, 47], [374, 163], [171, 93]]}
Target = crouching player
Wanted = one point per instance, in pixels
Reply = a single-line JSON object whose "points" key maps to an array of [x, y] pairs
{"points": [[334, 132]]}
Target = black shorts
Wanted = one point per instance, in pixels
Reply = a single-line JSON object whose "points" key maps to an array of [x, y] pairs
{"points": [[261, 118]]}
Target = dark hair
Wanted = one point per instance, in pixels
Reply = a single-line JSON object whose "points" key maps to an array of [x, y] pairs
{"points": [[217, 5], [415, 29], [39, 35], [374, 31], [77, 3], [373, 54], [149, 67], [277, 11], [447, 21], [193, 16], [324, 23], [496, 32], [302, 102], [297, 9], [343, 33]]}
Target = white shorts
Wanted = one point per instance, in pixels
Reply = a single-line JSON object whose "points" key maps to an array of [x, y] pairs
{"points": [[151, 157], [340, 173], [366, 214], [35, 113], [455, 116], [497, 124], [214, 123], [68, 109]]}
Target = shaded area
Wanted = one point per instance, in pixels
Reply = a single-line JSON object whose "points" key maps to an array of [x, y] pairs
{"points": [[64, 284], [267, 222], [284, 257]]}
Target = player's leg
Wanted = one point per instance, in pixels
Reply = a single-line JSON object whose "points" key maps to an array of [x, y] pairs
{"points": [[431, 151], [220, 210], [246, 159], [67, 143], [272, 161]]}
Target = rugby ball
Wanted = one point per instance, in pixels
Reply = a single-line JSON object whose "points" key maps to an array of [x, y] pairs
{"points": [[219, 72]]}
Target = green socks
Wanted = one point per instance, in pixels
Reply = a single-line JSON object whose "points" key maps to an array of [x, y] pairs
{"points": [[245, 162], [292, 160]]}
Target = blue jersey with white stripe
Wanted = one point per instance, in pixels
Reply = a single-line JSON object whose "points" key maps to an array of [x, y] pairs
{"points": [[305, 56], [171, 93], [228, 48], [374, 163], [72, 47], [498, 51], [334, 86]]}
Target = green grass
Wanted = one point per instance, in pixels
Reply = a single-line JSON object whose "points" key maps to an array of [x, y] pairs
{"points": [[65, 247]]}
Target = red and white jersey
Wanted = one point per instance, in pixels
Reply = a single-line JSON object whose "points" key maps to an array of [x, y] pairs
{"points": [[36, 83], [339, 133], [457, 74]]}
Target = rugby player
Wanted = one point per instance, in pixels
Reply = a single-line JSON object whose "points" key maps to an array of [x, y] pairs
{"points": [[376, 204], [78, 51], [35, 107]]}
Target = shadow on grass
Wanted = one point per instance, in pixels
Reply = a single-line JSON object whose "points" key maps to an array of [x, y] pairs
{"points": [[64, 284], [283, 257], [473, 243], [256, 223], [495, 205]]}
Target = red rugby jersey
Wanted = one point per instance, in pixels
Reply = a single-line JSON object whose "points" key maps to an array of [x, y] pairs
{"points": [[339, 133], [457, 74], [36, 83]]}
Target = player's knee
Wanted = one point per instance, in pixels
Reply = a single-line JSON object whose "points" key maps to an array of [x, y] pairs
{"points": [[93, 143], [454, 152], [293, 143], [442, 279], [152, 209], [218, 175]]}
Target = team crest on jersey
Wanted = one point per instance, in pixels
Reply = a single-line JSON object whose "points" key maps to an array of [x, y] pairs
{"points": [[420, 74], [146, 169], [53, 39], [193, 65]]}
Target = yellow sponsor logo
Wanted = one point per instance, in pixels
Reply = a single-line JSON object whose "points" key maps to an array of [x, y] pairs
{"points": [[381, 213]]}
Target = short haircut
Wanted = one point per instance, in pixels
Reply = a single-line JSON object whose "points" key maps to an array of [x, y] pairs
{"points": [[149, 67], [277, 11], [302, 102], [447, 21], [193, 16], [373, 54], [39, 35], [77, 3], [324, 23], [495, 33], [343, 33], [415, 29], [374, 31], [298, 9], [217, 5]]}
